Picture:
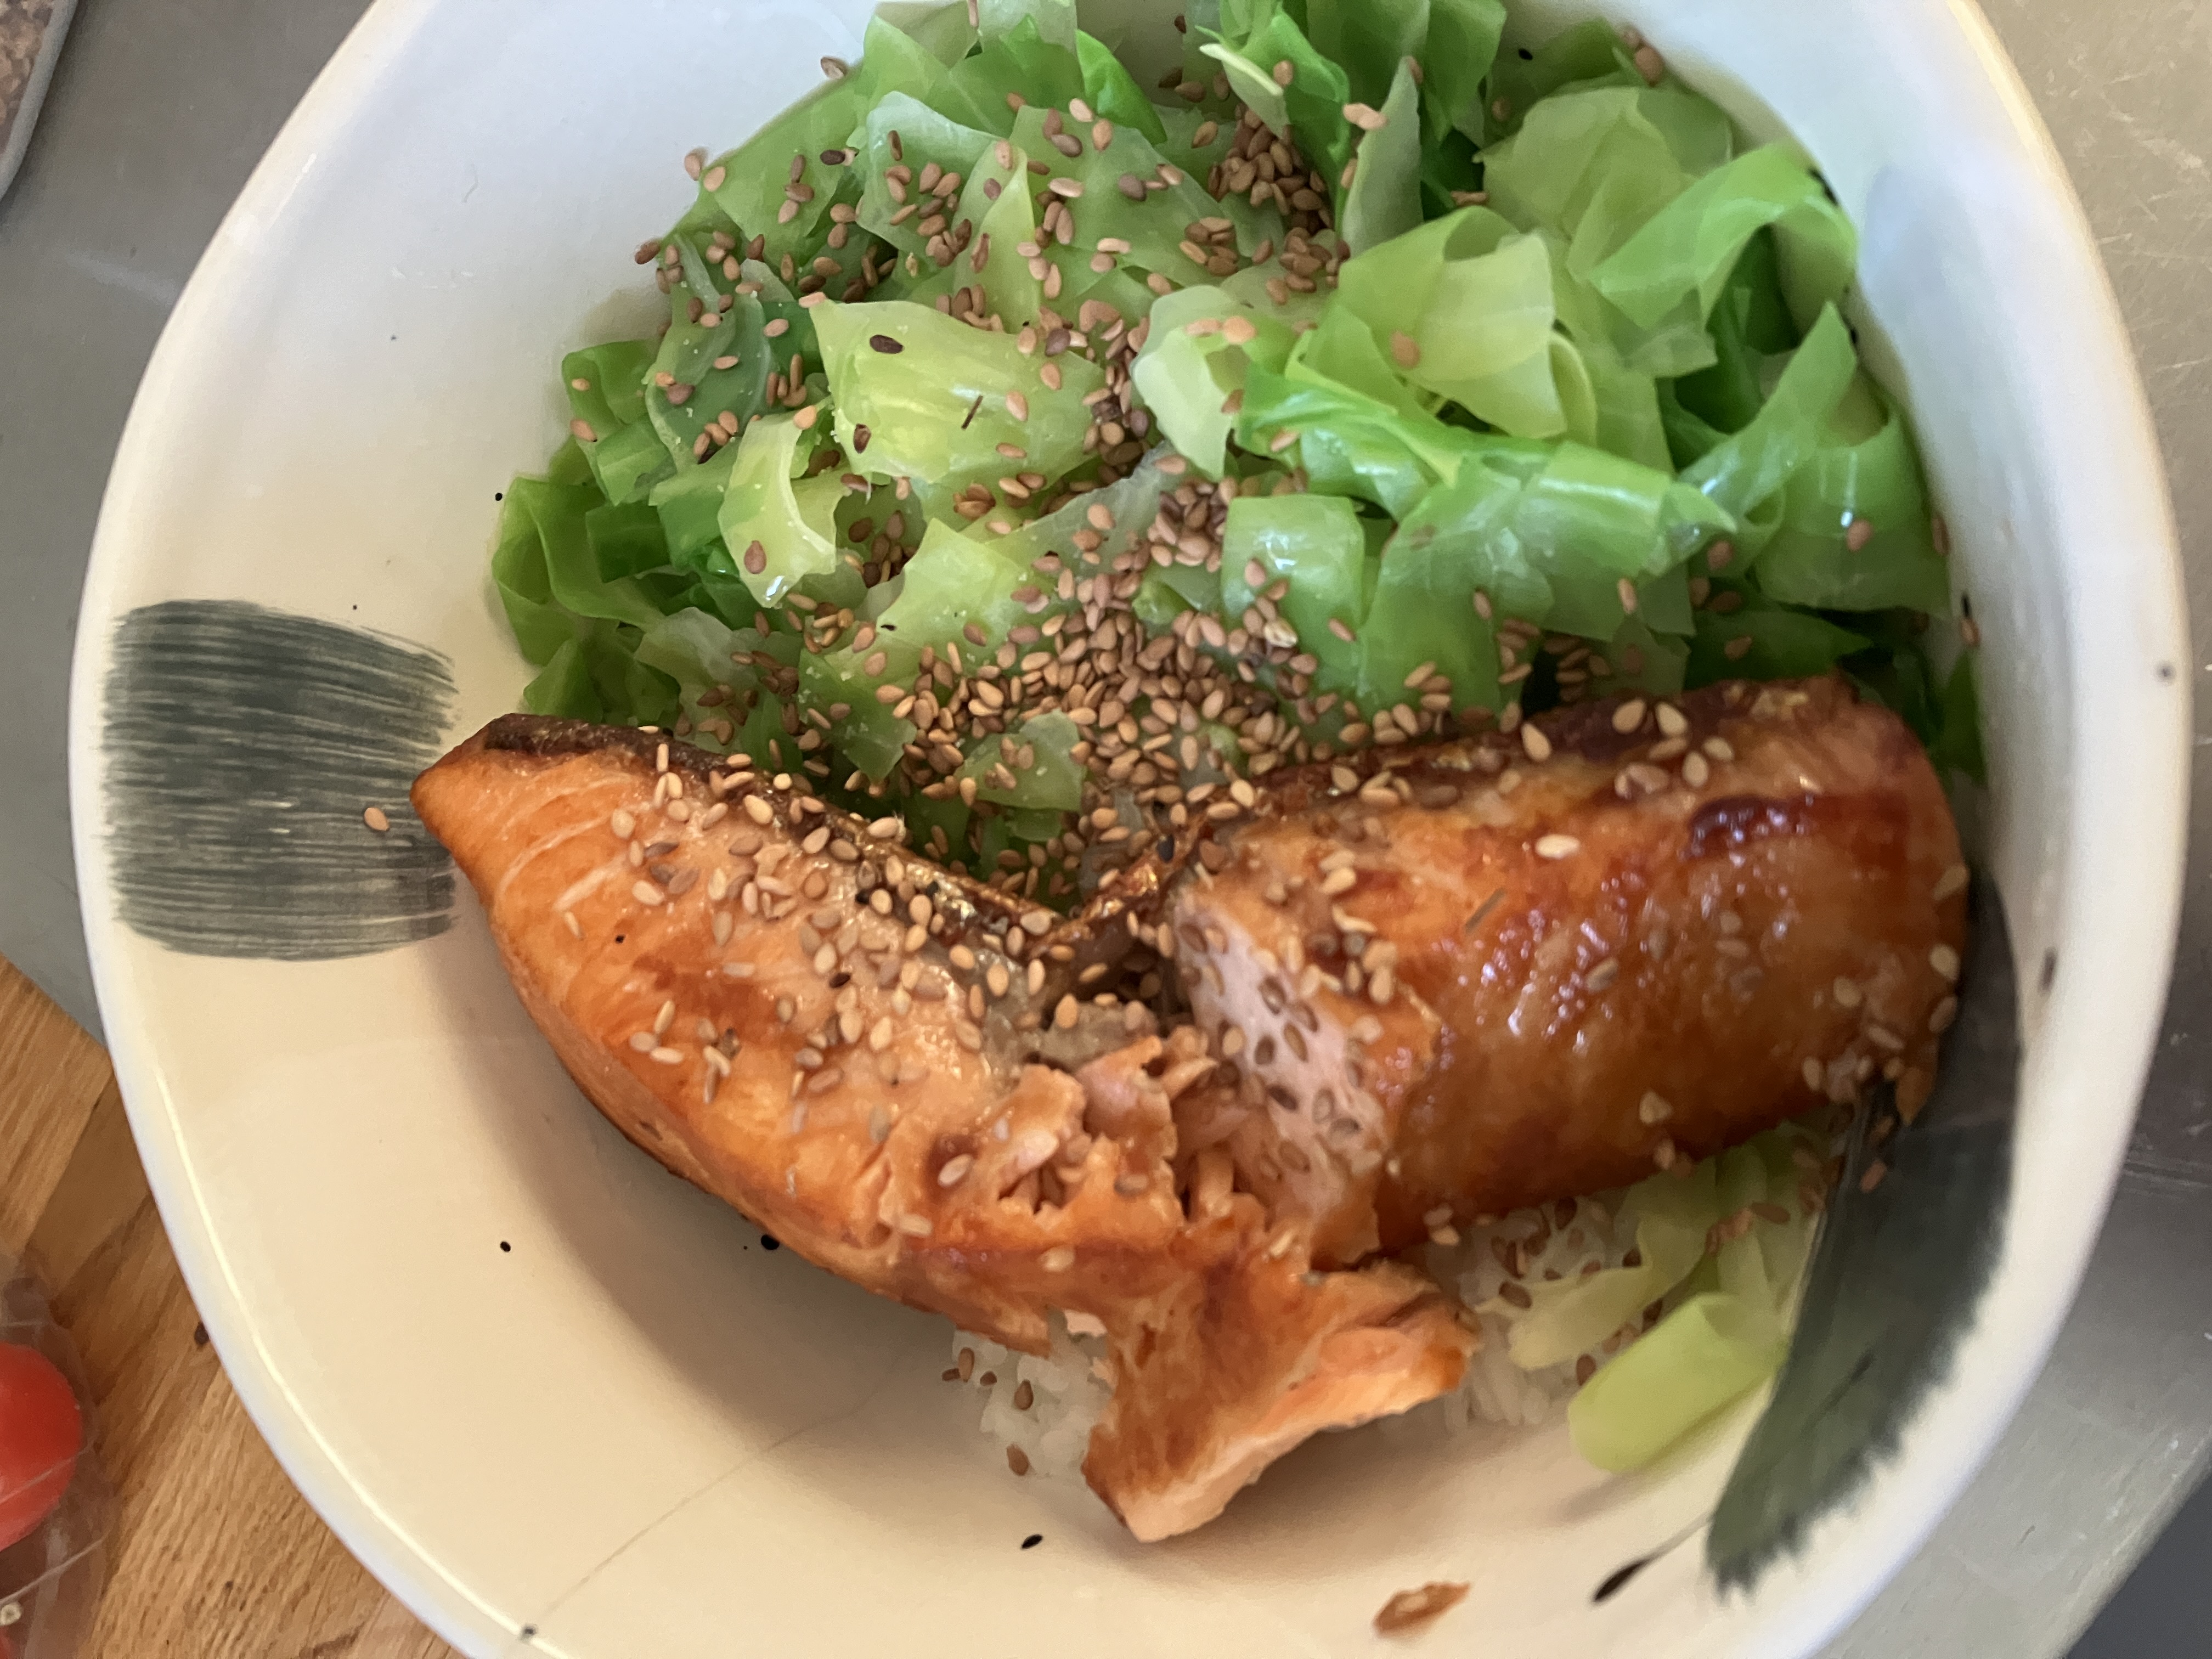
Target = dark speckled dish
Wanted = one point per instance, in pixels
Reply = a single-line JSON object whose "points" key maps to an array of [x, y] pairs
{"points": [[31, 33]]}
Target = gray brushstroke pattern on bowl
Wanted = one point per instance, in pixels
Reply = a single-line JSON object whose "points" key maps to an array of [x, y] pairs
{"points": [[244, 747]]}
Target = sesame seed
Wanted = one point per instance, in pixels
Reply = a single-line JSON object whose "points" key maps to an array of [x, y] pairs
{"points": [[1945, 961], [1856, 537], [1629, 716], [956, 1169], [1365, 117], [1873, 1177], [1653, 1108], [1737, 648], [1057, 1260], [374, 818], [1405, 350], [1810, 1071], [1953, 881], [1538, 746], [1282, 74], [1555, 846], [646, 893], [1018, 406], [1673, 722]]}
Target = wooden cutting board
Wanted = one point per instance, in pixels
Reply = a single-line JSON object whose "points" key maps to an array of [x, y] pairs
{"points": [[215, 1554]]}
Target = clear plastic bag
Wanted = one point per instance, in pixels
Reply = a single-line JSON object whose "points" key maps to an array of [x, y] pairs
{"points": [[51, 1578]]}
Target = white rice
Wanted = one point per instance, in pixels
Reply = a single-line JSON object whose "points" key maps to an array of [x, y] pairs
{"points": [[1555, 1241], [1067, 1390]]}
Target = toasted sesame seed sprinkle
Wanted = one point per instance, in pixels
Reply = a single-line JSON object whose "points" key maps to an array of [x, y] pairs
{"points": [[1555, 846], [374, 818]]}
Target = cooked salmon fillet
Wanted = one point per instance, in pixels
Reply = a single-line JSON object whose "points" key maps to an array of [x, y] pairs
{"points": [[884, 1065], [1469, 978], [1421, 985]]}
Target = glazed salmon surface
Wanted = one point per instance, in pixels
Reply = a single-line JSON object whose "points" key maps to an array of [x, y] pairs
{"points": [[1412, 988], [1479, 980]]}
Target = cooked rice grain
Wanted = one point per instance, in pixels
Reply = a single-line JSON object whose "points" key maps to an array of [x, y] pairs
{"points": [[1067, 1392]]}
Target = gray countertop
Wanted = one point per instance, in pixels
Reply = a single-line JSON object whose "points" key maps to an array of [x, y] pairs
{"points": [[159, 111]]}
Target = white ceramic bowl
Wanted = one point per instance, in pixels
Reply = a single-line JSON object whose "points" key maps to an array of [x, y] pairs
{"points": [[556, 1399]]}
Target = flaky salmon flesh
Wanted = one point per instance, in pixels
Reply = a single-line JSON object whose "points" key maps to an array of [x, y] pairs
{"points": [[1418, 985]]}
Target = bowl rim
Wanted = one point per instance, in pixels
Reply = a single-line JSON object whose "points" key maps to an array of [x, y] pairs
{"points": [[2128, 796]]}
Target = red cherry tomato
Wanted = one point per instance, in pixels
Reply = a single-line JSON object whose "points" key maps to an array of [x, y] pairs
{"points": [[42, 1431]]}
